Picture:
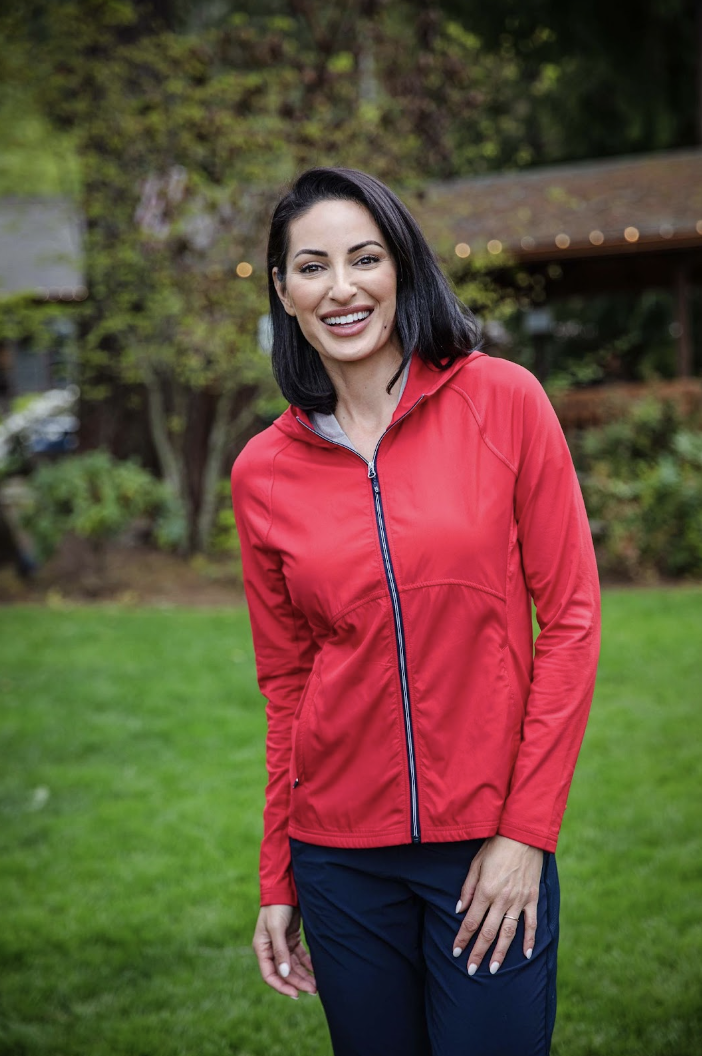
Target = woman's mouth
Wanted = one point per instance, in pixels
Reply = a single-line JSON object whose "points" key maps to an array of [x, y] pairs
{"points": [[347, 324]]}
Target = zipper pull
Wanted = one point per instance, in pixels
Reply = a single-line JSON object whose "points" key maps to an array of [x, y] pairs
{"points": [[296, 782]]}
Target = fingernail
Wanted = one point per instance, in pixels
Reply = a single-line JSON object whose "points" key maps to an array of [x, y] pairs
{"points": [[459, 906], [284, 970], [472, 969], [294, 996], [528, 954], [494, 966], [457, 951]]}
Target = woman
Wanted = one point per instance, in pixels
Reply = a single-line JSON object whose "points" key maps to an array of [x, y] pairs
{"points": [[395, 522]]}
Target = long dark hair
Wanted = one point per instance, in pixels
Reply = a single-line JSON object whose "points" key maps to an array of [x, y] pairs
{"points": [[430, 319]]}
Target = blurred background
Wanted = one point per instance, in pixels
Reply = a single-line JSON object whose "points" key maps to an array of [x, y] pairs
{"points": [[552, 153]]}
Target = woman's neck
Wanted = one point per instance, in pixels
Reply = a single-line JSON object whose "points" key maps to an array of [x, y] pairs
{"points": [[363, 401]]}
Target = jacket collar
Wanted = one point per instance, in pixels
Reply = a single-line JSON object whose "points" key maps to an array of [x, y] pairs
{"points": [[423, 380]]}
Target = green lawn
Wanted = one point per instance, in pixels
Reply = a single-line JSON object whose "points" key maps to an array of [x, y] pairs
{"points": [[130, 797]]}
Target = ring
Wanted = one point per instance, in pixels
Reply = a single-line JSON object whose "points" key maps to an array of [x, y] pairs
{"points": [[510, 918]]}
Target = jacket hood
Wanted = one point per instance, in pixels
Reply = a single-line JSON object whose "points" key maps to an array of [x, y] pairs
{"points": [[423, 380]]}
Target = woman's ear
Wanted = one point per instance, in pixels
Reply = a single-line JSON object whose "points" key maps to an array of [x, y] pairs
{"points": [[282, 292]]}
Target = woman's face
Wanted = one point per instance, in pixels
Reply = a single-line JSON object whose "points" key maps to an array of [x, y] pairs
{"points": [[341, 282]]}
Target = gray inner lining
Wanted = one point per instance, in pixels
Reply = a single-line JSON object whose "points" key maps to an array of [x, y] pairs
{"points": [[329, 426]]}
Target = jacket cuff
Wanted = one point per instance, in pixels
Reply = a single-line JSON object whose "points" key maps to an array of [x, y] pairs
{"points": [[522, 835], [283, 894]]}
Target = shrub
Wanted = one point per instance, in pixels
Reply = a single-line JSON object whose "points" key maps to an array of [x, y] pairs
{"points": [[95, 497], [643, 490]]}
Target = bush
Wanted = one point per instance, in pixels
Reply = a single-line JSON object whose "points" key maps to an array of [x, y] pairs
{"points": [[643, 491], [96, 497]]}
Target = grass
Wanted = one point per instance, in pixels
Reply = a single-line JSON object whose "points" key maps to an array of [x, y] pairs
{"points": [[130, 799]]}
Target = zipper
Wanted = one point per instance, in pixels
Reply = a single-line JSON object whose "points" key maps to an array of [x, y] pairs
{"points": [[396, 611]]}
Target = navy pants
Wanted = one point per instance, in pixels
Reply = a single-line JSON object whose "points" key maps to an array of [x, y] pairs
{"points": [[380, 925]]}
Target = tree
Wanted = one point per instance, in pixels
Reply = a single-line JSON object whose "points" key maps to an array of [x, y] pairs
{"points": [[627, 76], [186, 129]]}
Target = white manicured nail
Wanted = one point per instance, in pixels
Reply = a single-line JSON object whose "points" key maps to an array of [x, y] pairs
{"points": [[528, 954], [459, 906], [494, 966], [472, 969], [284, 970], [457, 951]]}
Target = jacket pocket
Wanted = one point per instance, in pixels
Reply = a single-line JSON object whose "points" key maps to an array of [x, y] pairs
{"points": [[514, 712], [300, 725]]}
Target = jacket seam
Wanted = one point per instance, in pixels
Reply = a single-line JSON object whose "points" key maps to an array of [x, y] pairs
{"points": [[400, 830], [457, 583], [544, 834], [481, 429], [380, 595], [270, 489], [589, 634]]}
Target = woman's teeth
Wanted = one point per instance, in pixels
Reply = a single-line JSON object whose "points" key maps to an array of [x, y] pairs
{"points": [[344, 320]]}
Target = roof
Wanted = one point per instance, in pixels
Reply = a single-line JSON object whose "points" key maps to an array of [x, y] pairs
{"points": [[651, 201], [41, 248]]}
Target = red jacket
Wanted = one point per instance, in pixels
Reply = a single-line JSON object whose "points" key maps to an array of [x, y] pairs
{"points": [[390, 607]]}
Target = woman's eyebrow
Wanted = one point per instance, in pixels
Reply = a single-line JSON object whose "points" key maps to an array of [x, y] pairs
{"points": [[360, 245], [351, 249]]}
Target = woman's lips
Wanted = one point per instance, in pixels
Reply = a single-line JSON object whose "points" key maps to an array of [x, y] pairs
{"points": [[348, 329]]}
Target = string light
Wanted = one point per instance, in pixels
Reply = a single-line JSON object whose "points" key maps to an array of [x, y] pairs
{"points": [[494, 246], [596, 237], [462, 249], [631, 234], [244, 269], [666, 230], [698, 227], [562, 240], [528, 242]]}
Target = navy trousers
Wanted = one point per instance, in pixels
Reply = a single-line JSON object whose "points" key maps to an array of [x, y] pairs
{"points": [[380, 925]]}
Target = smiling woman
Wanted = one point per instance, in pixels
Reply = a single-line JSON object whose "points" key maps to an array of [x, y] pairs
{"points": [[428, 317], [419, 749], [346, 289]]}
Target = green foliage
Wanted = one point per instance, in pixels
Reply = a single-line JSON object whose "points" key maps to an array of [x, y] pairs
{"points": [[35, 157], [187, 120], [95, 497], [24, 319], [601, 57], [225, 538], [643, 490]]}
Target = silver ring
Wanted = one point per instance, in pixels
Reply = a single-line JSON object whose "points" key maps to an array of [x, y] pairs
{"points": [[508, 917]]}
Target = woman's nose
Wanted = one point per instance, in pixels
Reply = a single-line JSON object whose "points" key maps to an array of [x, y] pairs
{"points": [[343, 288]]}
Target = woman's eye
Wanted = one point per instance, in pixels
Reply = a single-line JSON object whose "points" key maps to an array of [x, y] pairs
{"points": [[369, 258], [309, 269]]}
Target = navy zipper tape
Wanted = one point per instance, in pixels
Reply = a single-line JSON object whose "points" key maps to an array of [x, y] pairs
{"points": [[401, 657], [415, 831]]}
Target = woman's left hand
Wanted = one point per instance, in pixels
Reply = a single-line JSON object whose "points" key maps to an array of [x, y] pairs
{"points": [[502, 882]]}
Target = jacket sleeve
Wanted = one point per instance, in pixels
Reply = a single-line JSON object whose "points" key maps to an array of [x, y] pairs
{"points": [[561, 575], [284, 650]]}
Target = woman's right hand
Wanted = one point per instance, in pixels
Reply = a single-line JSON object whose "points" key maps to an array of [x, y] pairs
{"points": [[284, 962]]}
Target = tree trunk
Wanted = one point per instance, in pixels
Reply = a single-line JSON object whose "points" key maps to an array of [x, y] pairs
{"points": [[216, 444], [171, 460], [220, 435]]}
